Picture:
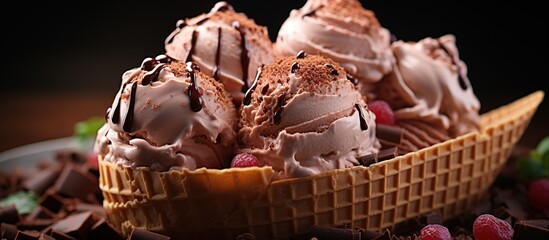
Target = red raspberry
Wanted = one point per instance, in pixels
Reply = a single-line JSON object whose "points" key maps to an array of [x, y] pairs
{"points": [[92, 160], [435, 232], [488, 227], [538, 194], [243, 160], [382, 110]]}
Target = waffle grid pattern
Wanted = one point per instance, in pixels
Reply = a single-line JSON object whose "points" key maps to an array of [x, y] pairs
{"points": [[449, 177]]}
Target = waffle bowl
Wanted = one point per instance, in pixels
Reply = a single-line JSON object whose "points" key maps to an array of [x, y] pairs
{"points": [[449, 177]]}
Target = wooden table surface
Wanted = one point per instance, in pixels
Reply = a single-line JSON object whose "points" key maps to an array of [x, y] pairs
{"points": [[29, 117]]}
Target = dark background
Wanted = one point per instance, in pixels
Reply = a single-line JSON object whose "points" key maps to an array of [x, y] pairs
{"points": [[63, 62]]}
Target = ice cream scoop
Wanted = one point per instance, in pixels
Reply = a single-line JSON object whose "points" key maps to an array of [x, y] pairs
{"points": [[169, 115], [303, 115], [342, 30], [227, 46], [429, 88]]}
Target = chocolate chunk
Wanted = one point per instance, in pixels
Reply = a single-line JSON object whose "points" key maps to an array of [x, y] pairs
{"points": [[140, 234], [391, 134], [74, 183], [60, 236], [36, 224], [386, 154], [103, 230], [367, 160], [41, 181], [84, 207], [8, 231], [27, 235], [515, 214], [9, 214], [76, 225], [52, 201], [40, 212], [531, 229]]}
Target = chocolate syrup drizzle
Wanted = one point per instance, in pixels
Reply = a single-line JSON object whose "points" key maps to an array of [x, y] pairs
{"points": [[462, 82], [295, 67], [248, 96], [152, 76], [193, 43], [277, 118], [192, 91], [128, 120], [352, 78], [116, 114], [363, 124], [265, 89], [217, 55], [181, 23], [244, 57], [333, 70], [301, 54]]}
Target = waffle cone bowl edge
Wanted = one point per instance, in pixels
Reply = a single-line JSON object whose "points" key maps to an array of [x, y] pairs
{"points": [[449, 177]]}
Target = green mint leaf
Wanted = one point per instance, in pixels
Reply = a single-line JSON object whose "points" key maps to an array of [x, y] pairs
{"points": [[88, 128], [543, 146], [25, 202]]}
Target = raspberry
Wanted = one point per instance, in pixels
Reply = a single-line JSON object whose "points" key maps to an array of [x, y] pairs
{"points": [[382, 110], [243, 160], [538, 194], [435, 232], [488, 227], [92, 160]]}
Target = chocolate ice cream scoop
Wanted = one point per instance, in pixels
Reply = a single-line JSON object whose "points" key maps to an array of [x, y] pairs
{"points": [[227, 46], [430, 83], [342, 30], [304, 115], [166, 115], [429, 88]]}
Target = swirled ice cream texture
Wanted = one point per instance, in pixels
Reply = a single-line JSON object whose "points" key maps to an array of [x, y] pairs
{"points": [[167, 130], [342, 30], [227, 46], [429, 83], [304, 116]]}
